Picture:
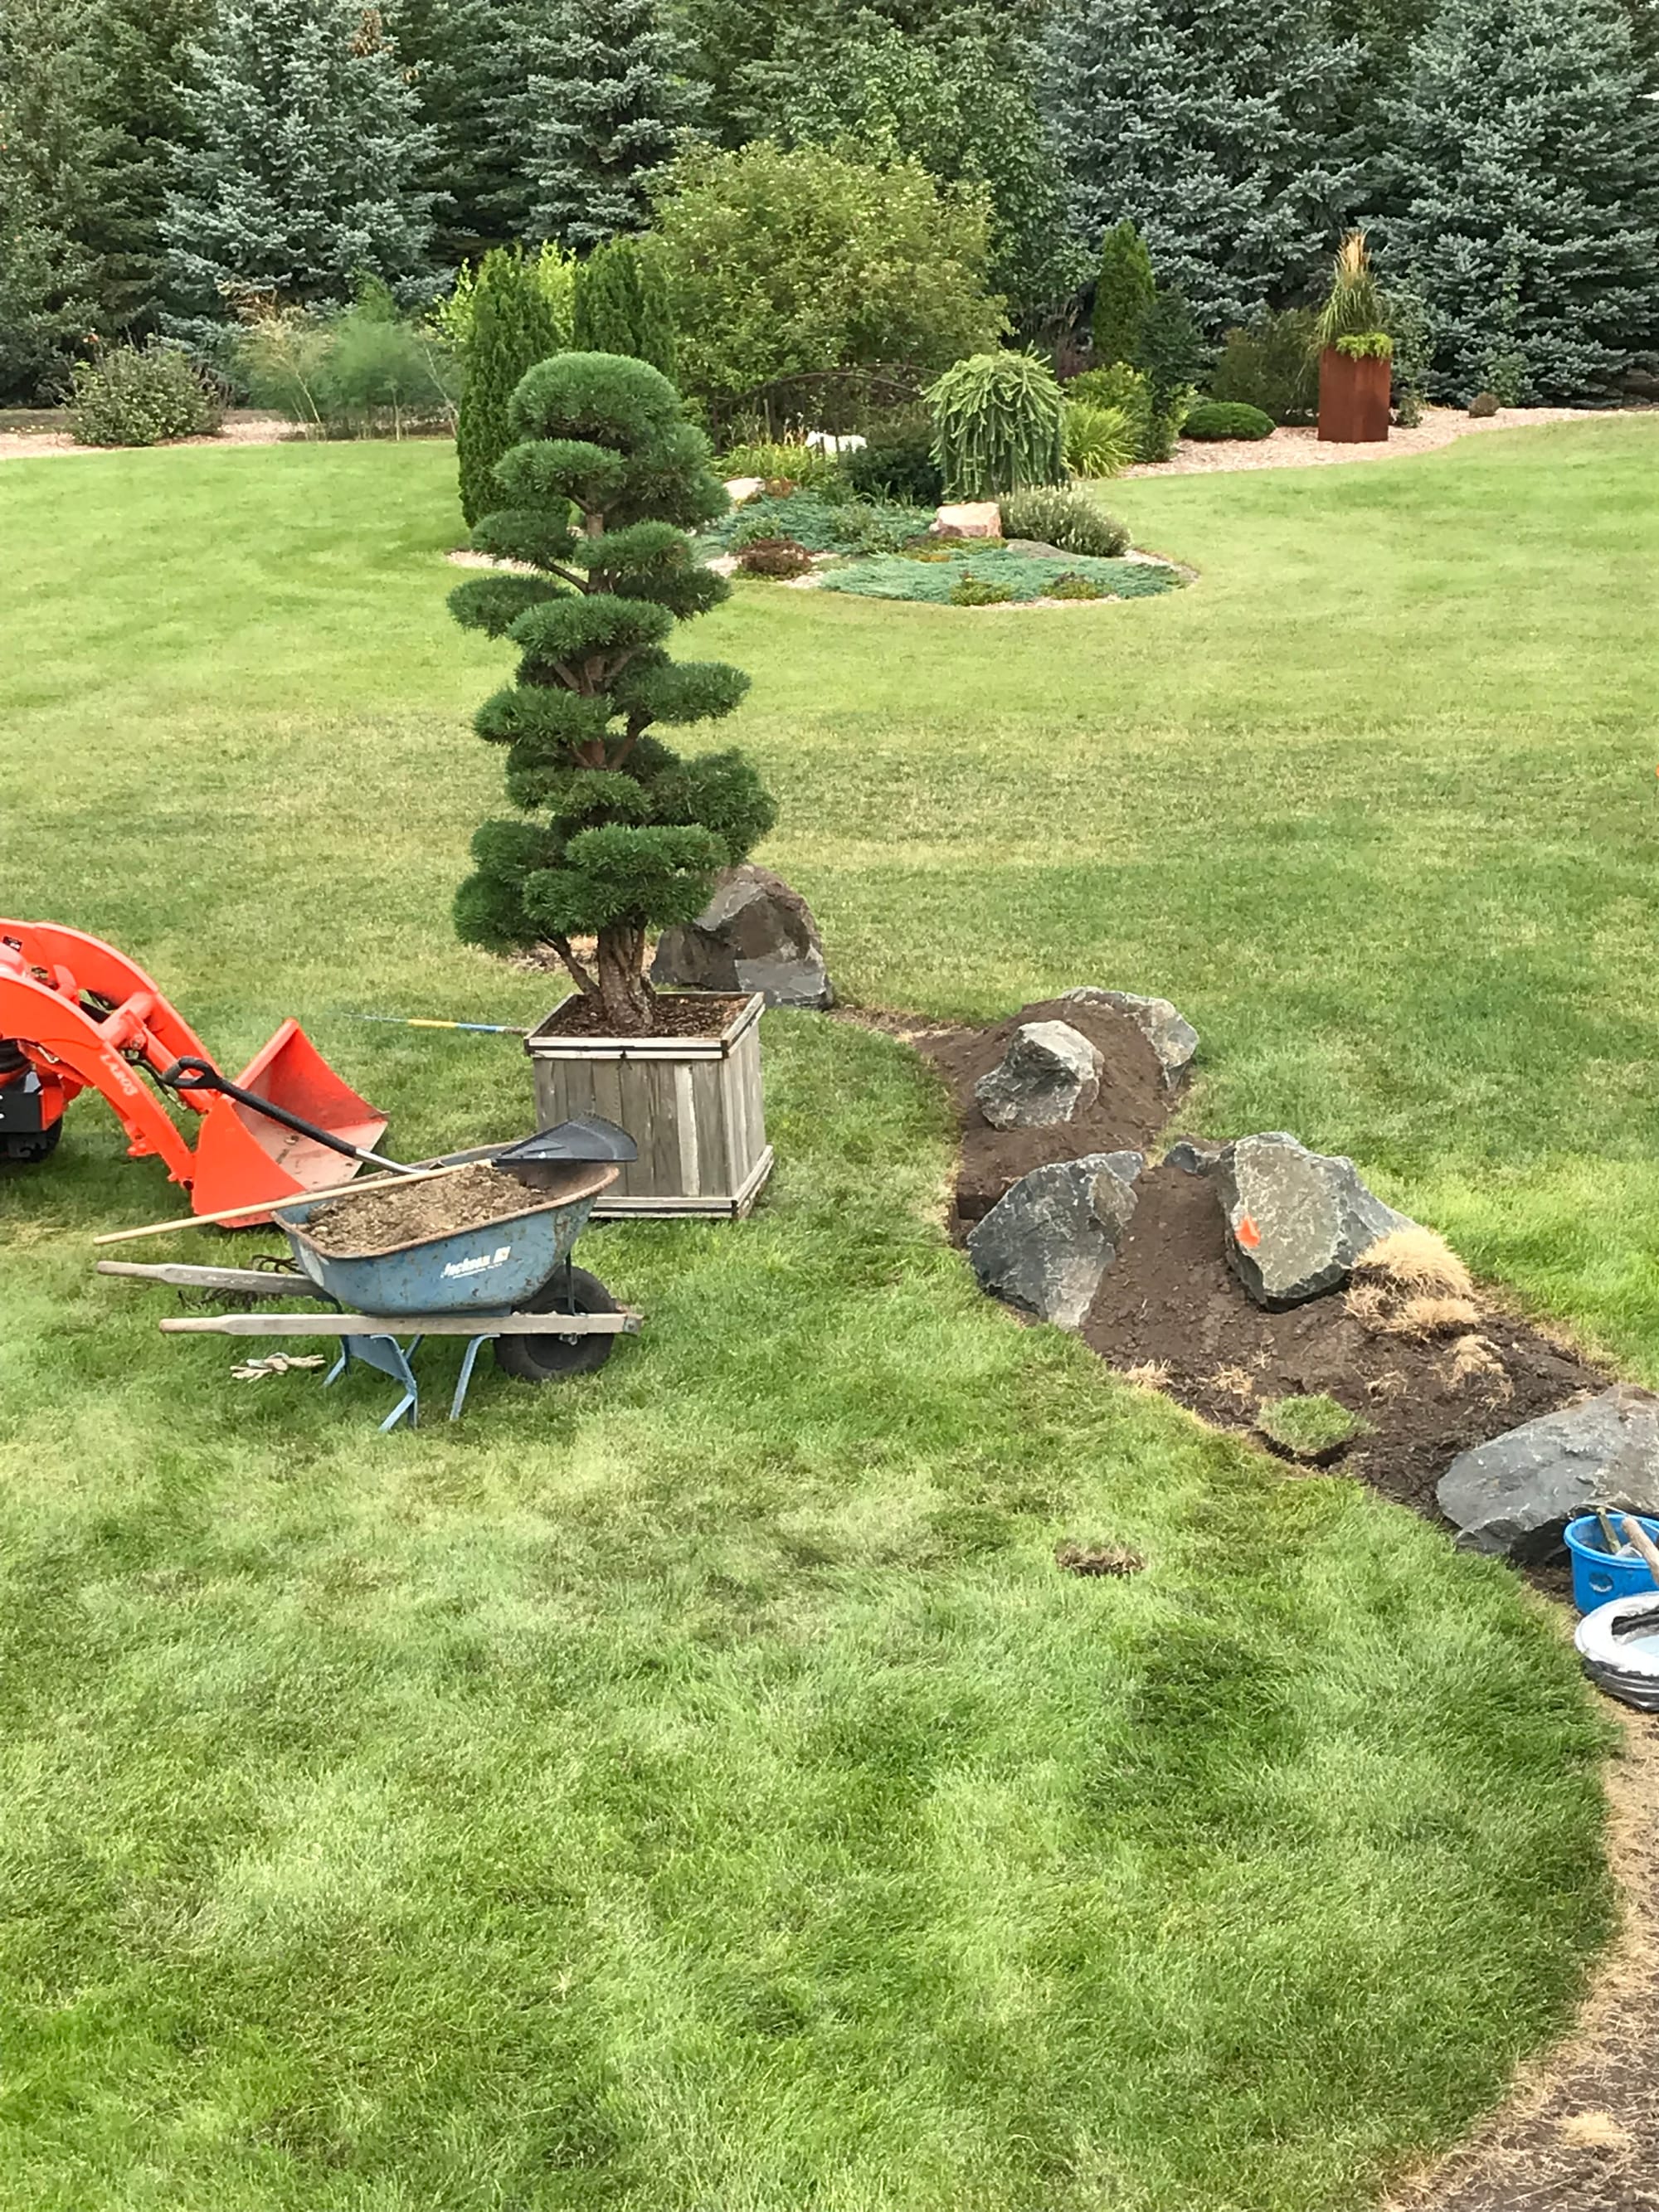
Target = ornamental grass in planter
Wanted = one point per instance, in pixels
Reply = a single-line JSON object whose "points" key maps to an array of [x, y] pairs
{"points": [[1356, 354], [617, 835]]}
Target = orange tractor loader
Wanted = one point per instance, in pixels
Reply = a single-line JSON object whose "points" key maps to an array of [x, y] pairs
{"points": [[76, 1015]]}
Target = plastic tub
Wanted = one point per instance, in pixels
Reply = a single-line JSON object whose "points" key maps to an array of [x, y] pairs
{"points": [[1596, 1578]]}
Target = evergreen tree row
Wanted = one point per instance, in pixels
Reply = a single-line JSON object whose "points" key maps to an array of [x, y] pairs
{"points": [[163, 163]]}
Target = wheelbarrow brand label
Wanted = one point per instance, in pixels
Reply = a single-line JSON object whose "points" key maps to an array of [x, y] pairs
{"points": [[482, 1264]]}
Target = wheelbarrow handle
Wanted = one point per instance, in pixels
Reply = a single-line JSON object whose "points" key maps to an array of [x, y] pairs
{"points": [[193, 1074]]}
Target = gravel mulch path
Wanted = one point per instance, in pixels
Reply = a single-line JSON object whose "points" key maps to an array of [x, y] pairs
{"points": [[242, 426], [1301, 449]]}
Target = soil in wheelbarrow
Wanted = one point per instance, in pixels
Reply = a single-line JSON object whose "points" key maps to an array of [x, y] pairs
{"points": [[1172, 1313], [1131, 1106], [365, 1224]]}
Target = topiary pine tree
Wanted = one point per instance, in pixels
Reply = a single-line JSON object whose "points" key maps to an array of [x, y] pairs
{"points": [[623, 836], [611, 103], [1209, 123], [512, 329], [305, 179], [1124, 291], [622, 305], [1525, 208]]}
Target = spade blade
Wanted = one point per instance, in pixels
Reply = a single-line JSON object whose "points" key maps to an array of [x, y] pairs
{"points": [[587, 1139]]}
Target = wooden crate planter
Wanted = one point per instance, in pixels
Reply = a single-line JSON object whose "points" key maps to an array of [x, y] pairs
{"points": [[1353, 398], [693, 1105]]}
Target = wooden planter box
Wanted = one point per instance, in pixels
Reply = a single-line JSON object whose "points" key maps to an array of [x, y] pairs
{"points": [[1353, 398], [693, 1105]]}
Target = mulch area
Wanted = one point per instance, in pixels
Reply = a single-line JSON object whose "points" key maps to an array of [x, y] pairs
{"points": [[678, 1014], [1171, 1312]]}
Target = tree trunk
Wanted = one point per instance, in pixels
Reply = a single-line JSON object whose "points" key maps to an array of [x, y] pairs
{"points": [[625, 995]]}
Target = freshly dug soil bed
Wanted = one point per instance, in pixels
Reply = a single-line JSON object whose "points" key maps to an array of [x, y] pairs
{"points": [[1170, 1305], [365, 1224], [679, 1014], [1132, 1107]]}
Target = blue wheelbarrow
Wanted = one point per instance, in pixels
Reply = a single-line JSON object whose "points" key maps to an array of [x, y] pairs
{"points": [[510, 1282]]}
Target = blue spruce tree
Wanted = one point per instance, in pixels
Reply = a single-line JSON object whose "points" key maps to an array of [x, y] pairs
{"points": [[1525, 210], [1208, 124], [611, 103], [305, 176]]}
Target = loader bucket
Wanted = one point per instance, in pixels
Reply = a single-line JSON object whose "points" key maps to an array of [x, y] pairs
{"points": [[240, 1156]]}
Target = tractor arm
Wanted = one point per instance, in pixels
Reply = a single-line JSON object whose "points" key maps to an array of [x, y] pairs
{"points": [[60, 1041], [144, 1021]]}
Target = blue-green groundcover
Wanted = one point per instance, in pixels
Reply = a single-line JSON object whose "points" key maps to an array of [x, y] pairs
{"points": [[1025, 575]]}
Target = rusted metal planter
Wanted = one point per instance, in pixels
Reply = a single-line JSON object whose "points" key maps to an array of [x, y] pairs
{"points": [[1353, 398], [694, 1105]]}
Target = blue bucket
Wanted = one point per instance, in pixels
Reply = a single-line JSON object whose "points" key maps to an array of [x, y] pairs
{"points": [[1596, 1578]]}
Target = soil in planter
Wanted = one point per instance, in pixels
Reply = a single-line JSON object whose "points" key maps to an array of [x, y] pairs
{"points": [[368, 1223], [1172, 1310], [677, 1015], [1132, 1107]]}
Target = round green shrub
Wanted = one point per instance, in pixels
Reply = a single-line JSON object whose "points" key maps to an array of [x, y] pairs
{"points": [[980, 592], [897, 462], [140, 395], [1226, 418], [1069, 520]]}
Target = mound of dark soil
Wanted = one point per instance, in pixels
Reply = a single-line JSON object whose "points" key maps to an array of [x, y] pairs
{"points": [[1171, 1305], [1132, 1107]]}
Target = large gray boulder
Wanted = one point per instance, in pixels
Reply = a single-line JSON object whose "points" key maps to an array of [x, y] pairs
{"points": [[1168, 1031], [1048, 1071], [1514, 1495], [1297, 1220], [754, 934], [1046, 1241]]}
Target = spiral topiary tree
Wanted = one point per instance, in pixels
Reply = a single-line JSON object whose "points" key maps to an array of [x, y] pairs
{"points": [[619, 835]]}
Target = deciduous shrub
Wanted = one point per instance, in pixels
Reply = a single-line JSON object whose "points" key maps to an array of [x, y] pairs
{"points": [[363, 373], [897, 462], [1070, 519], [1271, 362], [617, 835], [998, 425], [775, 556], [140, 396], [1120, 386], [1226, 418], [1099, 441]]}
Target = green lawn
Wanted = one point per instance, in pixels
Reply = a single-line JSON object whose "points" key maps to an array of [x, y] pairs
{"points": [[698, 1791]]}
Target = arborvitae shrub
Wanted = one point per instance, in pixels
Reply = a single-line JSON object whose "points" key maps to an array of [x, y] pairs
{"points": [[622, 305], [1070, 519], [512, 328], [1124, 291], [1226, 418]]}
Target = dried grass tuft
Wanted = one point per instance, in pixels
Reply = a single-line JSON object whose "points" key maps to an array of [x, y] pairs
{"points": [[1150, 1374], [1367, 1304], [1418, 1259], [1231, 1383], [1474, 1360], [1433, 1316]]}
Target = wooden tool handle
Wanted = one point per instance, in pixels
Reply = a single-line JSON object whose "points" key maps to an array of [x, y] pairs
{"points": [[269, 1204], [1637, 1534]]}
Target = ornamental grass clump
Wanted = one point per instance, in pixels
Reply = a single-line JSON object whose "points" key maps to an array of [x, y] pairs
{"points": [[1355, 307], [999, 424], [618, 836]]}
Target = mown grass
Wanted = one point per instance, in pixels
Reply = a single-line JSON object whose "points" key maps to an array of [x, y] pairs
{"points": [[699, 1788]]}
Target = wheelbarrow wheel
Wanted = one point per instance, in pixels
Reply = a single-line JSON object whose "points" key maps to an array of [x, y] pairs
{"points": [[553, 1358]]}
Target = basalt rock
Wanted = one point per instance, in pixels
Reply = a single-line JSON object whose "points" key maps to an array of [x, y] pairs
{"points": [[1297, 1221], [1048, 1071], [1169, 1032], [754, 934], [1045, 1244], [1514, 1495]]}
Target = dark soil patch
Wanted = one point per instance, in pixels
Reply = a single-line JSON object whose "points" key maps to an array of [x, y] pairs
{"points": [[678, 1014], [370, 1222], [1132, 1107], [1171, 1305]]}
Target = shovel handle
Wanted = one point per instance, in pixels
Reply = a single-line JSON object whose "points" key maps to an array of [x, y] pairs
{"points": [[193, 1074]]}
